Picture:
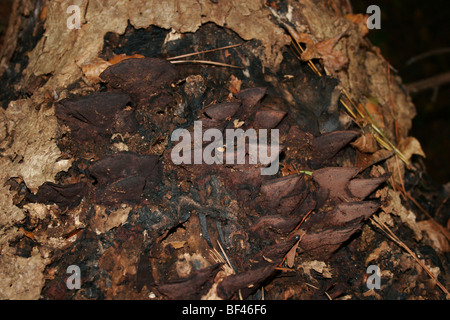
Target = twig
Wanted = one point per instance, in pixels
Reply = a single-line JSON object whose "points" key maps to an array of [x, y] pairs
{"points": [[433, 221], [407, 196], [226, 256], [442, 204], [378, 134], [428, 83], [391, 100], [205, 51], [427, 54], [219, 64], [394, 238]]}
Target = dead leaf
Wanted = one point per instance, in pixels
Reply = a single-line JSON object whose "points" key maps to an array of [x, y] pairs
{"points": [[104, 222], [290, 256], [237, 123], [120, 57], [333, 60], [372, 110], [310, 51], [366, 143], [235, 84], [440, 241], [177, 244], [360, 20], [94, 68], [318, 266], [410, 146], [375, 254], [394, 206], [27, 233], [301, 37]]}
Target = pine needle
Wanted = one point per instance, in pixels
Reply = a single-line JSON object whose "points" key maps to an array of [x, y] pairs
{"points": [[218, 64], [205, 51], [375, 220], [378, 134]]}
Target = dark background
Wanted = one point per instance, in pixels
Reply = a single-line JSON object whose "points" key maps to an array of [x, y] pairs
{"points": [[409, 28]]}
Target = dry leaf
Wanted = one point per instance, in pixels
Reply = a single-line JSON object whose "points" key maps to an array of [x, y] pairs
{"points": [[366, 143], [373, 111], [300, 37], [394, 206], [439, 239], [237, 123], [27, 233], [290, 256], [235, 85], [333, 60], [310, 51], [177, 244], [410, 146], [381, 249], [104, 222], [318, 266], [360, 20], [94, 68], [120, 57]]}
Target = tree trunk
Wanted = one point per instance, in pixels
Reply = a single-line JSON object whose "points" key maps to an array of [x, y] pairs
{"points": [[88, 175]]}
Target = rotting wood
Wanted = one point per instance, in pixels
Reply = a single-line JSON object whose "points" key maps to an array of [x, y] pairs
{"points": [[127, 174]]}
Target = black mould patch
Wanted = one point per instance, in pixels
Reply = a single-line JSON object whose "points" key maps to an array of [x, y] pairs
{"points": [[147, 42]]}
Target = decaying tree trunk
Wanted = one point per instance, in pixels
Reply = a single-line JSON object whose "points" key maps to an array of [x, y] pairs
{"points": [[88, 177]]}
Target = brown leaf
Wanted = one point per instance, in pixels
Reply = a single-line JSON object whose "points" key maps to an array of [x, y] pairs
{"points": [[360, 20], [290, 256], [94, 68], [373, 110], [410, 146], [332, 59], [300, 37], [310, 52], [436, 234], [120, 57], [103, 222], [235, 84], [366, 143]]}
